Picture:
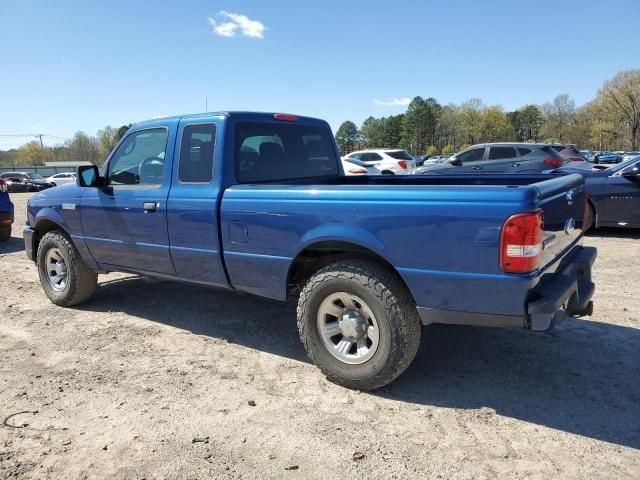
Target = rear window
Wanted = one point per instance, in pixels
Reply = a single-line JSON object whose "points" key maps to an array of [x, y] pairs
{"points": [[399, 155], [524, 151], [283, 151], [196, 153], [558, 148], [497, 153]]}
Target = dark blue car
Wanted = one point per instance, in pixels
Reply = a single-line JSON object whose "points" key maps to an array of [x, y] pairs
{"points": [[614, 192], [6, 212]]}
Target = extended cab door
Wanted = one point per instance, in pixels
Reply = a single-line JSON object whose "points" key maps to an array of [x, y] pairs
{"points": [[125, 223], [193, 204]]}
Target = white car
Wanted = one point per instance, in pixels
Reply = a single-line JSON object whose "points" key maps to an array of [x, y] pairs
{"points": [[389, 161], [357, 167], [62, 178]]}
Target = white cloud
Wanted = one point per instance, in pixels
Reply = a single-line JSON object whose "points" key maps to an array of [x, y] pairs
{"points": [[234, 22], [396, 102]]}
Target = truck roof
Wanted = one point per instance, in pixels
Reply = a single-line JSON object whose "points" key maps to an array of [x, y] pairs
{"points": [[219, 114]]}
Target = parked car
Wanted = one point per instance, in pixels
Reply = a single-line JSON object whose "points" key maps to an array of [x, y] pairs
{"points": [[352, 166], [588, 154], [570, 152], [389, 161], [62, 178], [614, 192], [6, 211], [356, 167], [630, 155], [265, 208], [607, 158], [498, 158], [25, 181]]}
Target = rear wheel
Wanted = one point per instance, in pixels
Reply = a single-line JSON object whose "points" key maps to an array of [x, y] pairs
{"points": [[591, 219], [64, 276], [5, 232], [358, 324]]}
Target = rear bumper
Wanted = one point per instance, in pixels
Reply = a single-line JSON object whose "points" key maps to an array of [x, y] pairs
{"points": [[567, 292]]}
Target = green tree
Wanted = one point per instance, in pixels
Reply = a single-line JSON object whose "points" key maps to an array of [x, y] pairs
{"points": [[495, 126], [470, 121], [372, 130], [346, 136], [559, 116], [526, 122], [620, 98], [121, 131], [108, 139], [419, 124], [83, 148]]}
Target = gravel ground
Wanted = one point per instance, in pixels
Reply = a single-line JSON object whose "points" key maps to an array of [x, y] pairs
{"points": [[154, 380]]}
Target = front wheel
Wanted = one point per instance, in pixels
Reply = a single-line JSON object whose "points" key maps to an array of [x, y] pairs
{"points": [[358, 324], [63, 274]]}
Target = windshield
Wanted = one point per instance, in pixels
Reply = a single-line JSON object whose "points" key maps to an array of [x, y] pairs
{"points": [[399, 154]]}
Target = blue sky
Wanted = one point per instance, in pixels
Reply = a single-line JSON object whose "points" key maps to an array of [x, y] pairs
{"points": [[71, 65]]}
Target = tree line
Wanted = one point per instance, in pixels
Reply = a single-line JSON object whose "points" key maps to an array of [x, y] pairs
{"points": [[611, 121], [81, 148]]}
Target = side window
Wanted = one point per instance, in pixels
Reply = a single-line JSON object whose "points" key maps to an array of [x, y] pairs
{"points": [[499, 153], [196, 153], [374, 157], [474, 155], [140, 158], [355, 156], [524, 151]]}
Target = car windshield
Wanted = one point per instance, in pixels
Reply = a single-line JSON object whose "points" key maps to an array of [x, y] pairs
{"points": [[399, 154]]}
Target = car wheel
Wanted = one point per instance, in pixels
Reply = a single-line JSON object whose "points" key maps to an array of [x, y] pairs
{"points": [[591, 217], [358, 324], [63, 274], [5, 232]]}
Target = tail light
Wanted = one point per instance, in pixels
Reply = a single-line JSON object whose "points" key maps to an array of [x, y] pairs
{"points": [[403, 164], [576, 159], [3, 186], [285, 117], [553, 161], [358, 171], [521, 242]]}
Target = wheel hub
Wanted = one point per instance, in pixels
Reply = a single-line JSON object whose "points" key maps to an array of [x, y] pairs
{"points": [[348, 328], [353, 325]]}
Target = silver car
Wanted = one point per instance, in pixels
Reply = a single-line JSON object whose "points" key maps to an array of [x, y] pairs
{"points": [[499, 158]]}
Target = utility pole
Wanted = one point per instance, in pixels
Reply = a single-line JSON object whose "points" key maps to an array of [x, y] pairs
{"points": [[40, 135]]}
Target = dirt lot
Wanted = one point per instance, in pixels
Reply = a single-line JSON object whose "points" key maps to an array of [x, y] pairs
{"points": [[154, 380]]}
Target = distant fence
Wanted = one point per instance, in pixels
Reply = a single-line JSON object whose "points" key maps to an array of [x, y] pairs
{"points": [[44, 171]]}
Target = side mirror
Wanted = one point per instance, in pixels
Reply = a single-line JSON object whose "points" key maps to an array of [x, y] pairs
{"points": [[88, 176], [633, 172], [456, 162]]}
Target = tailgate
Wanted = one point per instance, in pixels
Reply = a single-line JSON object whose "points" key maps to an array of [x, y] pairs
{"points": [[563, 201]]}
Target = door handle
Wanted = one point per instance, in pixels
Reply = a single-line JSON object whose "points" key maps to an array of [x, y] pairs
{"points": [[515, 165], [150, 206], [477, 168]]}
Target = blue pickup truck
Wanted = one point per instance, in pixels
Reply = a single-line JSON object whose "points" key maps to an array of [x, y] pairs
{"points": [[258, 203]]}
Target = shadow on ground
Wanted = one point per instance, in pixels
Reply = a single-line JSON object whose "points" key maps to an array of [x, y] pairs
{"points": [[13, 244], [611, 232], [582, 378]]}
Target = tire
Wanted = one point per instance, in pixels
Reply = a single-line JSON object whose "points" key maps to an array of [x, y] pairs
{"points": [[80, 282], [591, 221], [392, 310], [5, 232]]}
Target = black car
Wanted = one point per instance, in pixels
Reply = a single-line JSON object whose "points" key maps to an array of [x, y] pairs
{"points": [[614, 192], [25, 182], [570, 152]]}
